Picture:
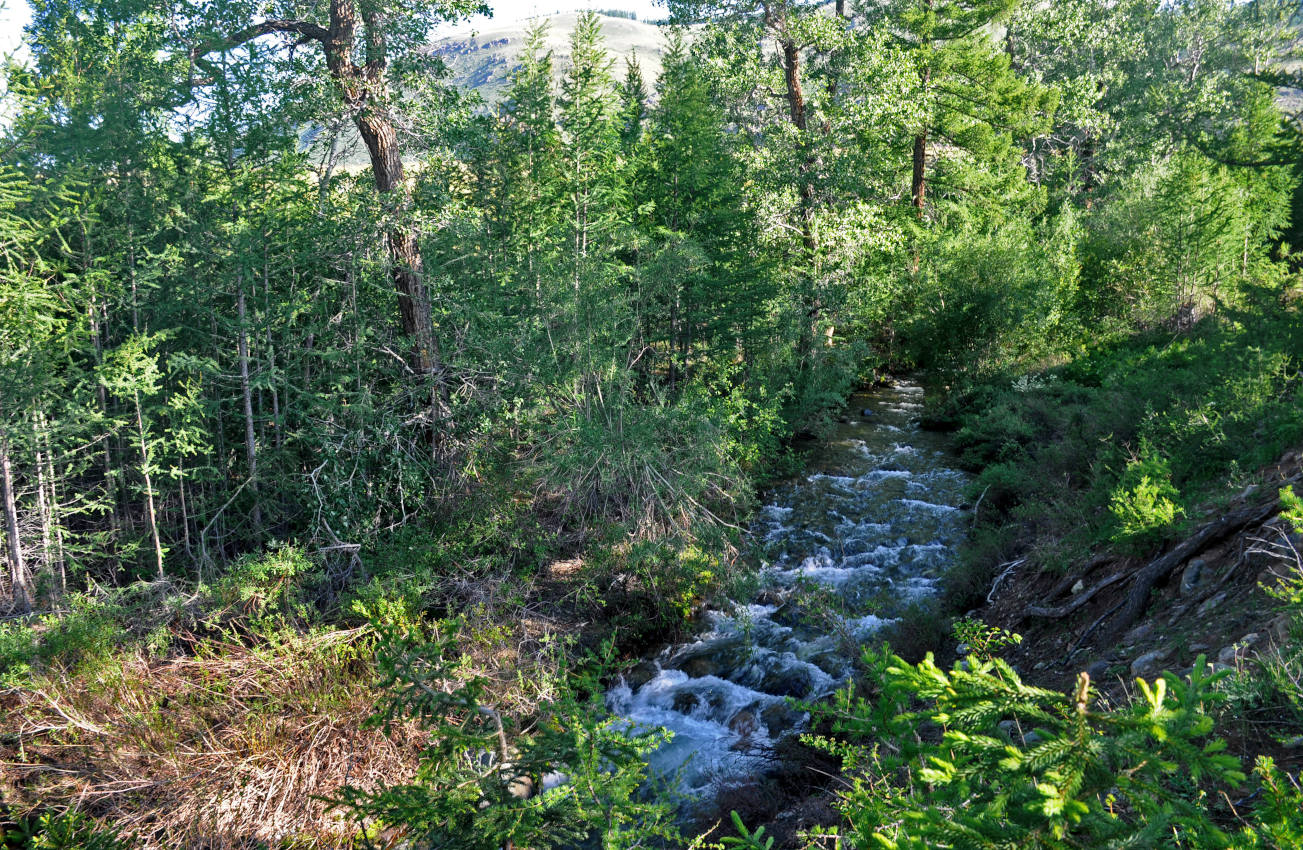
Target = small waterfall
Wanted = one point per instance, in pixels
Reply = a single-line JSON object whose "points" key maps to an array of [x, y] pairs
{"points": [[870, 527]]}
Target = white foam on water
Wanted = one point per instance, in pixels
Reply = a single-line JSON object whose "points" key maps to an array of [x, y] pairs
{"points": [[867, 626], [704, 747], [846, 528], [879, 475], [845, 482], [932, 507]]}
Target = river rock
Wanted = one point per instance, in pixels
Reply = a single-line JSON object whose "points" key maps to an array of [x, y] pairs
{"points": [[699, 666], [1138, 634], [793, 682], [1194, 577], [685, 702], [867, 413], [640, 675], [1239, 650], [1097, 670], [1149, 664], [1178, 611], [779, 717], [744, 723], [1279, 628], [1211, 605]]}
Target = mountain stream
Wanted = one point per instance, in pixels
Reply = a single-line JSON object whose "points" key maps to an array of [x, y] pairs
{"points": [[867, 529]]}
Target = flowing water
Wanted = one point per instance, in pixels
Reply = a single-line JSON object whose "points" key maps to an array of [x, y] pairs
{"points": [[849, 545]]}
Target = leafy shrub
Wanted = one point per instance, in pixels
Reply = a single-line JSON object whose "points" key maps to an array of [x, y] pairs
{"points": [[1145, 503], [1201, 407], [1292, 508], [71, 831], [483, 783], [984, 642], [656, 585], [85, 634], [973, 757], [267, 584]]}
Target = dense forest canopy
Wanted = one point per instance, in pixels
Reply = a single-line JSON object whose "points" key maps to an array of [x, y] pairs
{"points": [[249, 387]]}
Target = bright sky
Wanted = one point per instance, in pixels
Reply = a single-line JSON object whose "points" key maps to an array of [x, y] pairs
{"points": [[505, 11], [14, 14]]}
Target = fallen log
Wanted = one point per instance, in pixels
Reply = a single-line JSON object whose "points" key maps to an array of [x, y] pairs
{"points": [[1138, 596], [1077, 601]]}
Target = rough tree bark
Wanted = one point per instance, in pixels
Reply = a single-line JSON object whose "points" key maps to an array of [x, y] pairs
{"points": [[798, 112], [151, 513], [20, 581], [1137, 599], [364, 89], [250, 441], [918, 183]]}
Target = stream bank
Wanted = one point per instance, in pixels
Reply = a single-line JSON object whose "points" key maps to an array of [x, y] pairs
{"points": [[869, 527]]}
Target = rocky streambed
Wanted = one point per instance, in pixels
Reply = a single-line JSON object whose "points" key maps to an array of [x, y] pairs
{"points": [[868, 528]]}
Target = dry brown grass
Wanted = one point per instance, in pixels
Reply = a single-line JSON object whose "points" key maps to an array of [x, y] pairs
{"points": [[231, 747]]}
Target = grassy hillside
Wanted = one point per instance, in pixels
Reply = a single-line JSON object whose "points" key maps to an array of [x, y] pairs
{"points": [[483, 60]]}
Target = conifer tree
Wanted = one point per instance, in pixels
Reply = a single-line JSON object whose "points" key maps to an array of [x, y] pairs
{"points": [[633, 106], [590, 154], [531, 214], [697, 215], [589, 132], [969, 96]]}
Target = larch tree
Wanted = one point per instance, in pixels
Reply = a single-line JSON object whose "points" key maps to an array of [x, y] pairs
{"points": [[971, 97], [364, 45]]}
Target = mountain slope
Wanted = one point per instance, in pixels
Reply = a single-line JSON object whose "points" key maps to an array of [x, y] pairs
{"points": [[484, 60]]}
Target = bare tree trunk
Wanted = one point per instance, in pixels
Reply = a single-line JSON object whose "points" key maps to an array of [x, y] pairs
{"points": [[364, 90], [185, 514], [278, 430], [43, 509], [381, 139], [250, 444], [110, 482], [55, 520], [918, 185], [792, 76], [18, 577], [798, 113], [150, 513]]}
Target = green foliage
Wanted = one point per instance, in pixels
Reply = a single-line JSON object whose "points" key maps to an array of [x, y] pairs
{"points": [[1002, 763], [1292, 507], [85, 635], [637, 297], [655, 586], [1144, 503], [70, 831], [572, 775], [1049, 450], [984, 642], [267, 584], [746, 839], [1277, 819]]}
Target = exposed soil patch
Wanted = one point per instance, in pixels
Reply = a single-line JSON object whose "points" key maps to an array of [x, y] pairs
{"points": [[1202, 596]]}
